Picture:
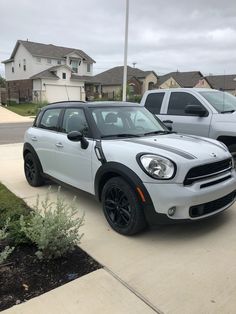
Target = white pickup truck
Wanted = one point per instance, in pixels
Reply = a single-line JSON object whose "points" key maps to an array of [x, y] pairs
{"points": [[197, 111]]}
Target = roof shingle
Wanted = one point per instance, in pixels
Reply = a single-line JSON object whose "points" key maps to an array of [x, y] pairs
{"points": [[49, 51], [184, 79], [222, 82], [114, 76]]}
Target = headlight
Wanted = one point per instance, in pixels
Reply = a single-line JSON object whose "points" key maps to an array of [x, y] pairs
{"points": [[158, 167]]}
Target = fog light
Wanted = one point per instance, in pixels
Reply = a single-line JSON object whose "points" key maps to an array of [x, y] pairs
{"points": [[171, 211]]}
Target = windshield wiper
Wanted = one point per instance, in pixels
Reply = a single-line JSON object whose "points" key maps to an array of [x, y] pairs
{"points": [[158, 132], [121, 135], [228, 111]]}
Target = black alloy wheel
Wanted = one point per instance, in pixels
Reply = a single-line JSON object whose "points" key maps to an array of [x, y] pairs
{"points": [[32, 171], [117, 207], [122, 207]]}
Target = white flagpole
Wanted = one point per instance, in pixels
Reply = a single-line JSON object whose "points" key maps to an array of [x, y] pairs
{"points": [[125, 51]]}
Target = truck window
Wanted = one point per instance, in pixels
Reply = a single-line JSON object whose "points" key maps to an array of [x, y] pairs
{"points": [[154, 101], [178, 101]]}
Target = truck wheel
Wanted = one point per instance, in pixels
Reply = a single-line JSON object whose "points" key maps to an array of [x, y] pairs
{"points": [[32, 171], [122, 207], [232, 149]]}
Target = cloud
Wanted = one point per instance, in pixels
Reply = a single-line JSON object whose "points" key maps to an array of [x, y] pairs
{"points": [[163, 36]]}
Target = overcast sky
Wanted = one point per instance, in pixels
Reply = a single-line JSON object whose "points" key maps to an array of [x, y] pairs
{"points": [[163, 35]]}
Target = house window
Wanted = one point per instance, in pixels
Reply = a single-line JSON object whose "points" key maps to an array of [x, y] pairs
{"points": [[64, 76], [19, 64], [88, 67], [132, 88], [12, 69], [74, 65], [38, 59], [49, 61], [24, 64], [58, 61], [151, 85]]}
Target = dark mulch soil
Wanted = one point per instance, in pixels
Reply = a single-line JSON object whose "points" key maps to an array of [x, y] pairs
{"points": [[24, 276]]}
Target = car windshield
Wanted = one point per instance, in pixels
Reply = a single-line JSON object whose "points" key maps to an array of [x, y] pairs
{"points": [[126, 121], [221, 101]]}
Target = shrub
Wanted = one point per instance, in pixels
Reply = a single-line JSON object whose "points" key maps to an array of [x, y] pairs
{"points": [[7, 250], [54, 229], [12, 208]]}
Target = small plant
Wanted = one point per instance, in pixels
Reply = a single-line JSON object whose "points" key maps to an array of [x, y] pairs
{"points": [[54, 229], [7, 250]]}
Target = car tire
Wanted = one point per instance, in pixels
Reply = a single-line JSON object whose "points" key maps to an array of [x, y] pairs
{"points": [[122, 207], [232, 149], [32, 170]]}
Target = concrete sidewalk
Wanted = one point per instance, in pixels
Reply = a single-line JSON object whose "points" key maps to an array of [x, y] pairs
{"points": [[174, 269], [7, 116]]}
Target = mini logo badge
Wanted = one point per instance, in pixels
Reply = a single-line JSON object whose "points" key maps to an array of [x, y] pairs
{"points": [[213, 155]]}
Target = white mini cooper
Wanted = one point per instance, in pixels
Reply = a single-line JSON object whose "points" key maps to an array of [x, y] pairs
{"points": [[121, 153]]}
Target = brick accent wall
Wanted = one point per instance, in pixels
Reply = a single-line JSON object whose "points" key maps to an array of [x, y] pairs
{"points": [[20, 90], [3, 95]]}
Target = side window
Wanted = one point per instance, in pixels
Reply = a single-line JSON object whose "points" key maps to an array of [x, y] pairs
{"points": [[154, 101], [50, 119], [74, 120], [178, 102]]}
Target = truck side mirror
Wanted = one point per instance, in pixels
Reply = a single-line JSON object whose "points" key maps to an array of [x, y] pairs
{"points": [[196, 110]]}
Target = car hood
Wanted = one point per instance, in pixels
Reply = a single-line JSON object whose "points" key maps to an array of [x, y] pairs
{"points": [[184, 150], [176, 146]]}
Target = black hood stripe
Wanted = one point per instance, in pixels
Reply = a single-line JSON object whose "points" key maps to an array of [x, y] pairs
{"points": [[168, 148], [205, 140]]}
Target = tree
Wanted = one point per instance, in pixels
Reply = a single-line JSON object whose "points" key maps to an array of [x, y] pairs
{"points": [[2, 82]]}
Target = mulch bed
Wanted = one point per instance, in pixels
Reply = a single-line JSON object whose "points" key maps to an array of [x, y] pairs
{"points": [[24, 276]]}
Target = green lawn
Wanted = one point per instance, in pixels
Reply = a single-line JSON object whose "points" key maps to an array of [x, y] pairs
{"points": [[28, 109], [12, 207]]}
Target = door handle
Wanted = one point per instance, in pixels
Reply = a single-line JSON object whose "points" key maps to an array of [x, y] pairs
{"points": [[34, 138], [59, 145], [167, 121]]}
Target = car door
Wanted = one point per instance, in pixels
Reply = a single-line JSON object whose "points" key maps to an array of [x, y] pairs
{"points": [[74, 162], [182, 122], [44, 137]]}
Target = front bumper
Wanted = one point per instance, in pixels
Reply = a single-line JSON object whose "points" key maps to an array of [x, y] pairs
{"points": [[185, 198]]}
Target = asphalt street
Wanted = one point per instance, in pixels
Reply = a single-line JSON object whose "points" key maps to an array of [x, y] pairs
{"points": [[13, 132]]}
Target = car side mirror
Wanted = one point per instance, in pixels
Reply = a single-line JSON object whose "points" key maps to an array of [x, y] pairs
{"points": [[196, 110], [76, 136]]}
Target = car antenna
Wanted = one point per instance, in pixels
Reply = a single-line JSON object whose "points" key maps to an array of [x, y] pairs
{"points": [[67, 93]]}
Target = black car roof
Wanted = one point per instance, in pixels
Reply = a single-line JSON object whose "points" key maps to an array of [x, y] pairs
{"points": [[67, 104]]}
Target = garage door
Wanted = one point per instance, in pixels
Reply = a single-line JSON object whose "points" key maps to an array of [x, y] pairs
{"points": [[61, 93]]}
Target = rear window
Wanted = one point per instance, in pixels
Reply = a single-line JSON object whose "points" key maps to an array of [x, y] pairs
{"points": [[154, 101]]}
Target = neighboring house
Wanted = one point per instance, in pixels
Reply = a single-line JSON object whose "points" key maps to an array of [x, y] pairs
{"points": [[111, 81], [225, 83], [183, 79], [45, 72]]}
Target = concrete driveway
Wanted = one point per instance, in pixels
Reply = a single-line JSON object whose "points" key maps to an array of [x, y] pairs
{"points": [[187, 268]]}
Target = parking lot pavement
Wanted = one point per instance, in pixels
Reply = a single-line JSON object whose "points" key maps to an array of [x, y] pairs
{"points": [[184, 268]]}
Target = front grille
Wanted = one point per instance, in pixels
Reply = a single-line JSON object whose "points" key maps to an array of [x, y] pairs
{"points": [[208, 170], [210, 207]]}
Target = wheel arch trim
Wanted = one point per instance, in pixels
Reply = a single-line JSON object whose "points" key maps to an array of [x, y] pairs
{"points": [[29, 148]]}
